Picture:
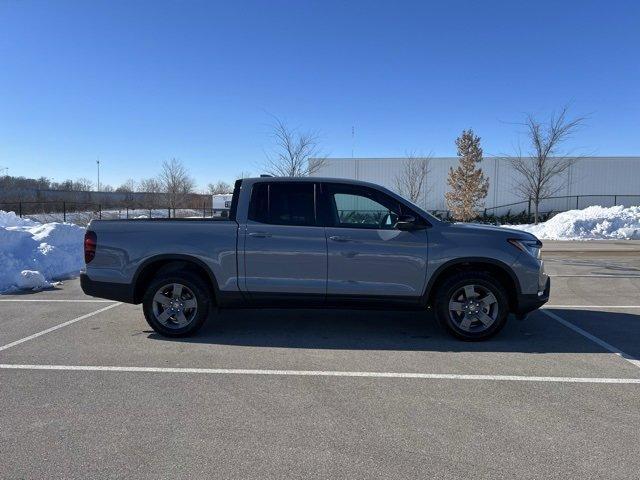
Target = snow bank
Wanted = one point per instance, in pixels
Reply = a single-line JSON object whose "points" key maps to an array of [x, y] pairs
{"points": [[10, 219], [592, 223], [33, 254], [32, 280]]}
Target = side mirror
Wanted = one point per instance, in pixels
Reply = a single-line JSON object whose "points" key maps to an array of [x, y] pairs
{"points": [[406, 222]]}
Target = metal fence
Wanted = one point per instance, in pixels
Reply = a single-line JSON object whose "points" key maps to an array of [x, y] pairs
{"points": [[549, 206], [83, 213], [567, 202]]}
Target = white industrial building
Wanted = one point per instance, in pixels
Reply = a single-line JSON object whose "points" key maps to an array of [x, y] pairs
{"points": [[605, 181]]}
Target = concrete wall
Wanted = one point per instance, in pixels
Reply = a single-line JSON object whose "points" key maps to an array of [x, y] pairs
{"points": [[588, 176]]}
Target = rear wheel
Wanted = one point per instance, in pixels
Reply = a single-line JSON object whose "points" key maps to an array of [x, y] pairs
{"points": [[176, 304], [472, 305]]}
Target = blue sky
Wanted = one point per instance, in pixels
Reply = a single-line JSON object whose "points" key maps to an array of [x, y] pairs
{"points": [[136, 82]]}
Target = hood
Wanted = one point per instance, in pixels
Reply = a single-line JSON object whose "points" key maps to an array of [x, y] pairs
{"points": [[489, 229]]}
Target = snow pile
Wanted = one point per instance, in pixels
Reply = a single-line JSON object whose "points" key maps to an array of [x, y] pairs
{"points": [[10, 219], [592, 223], [33, 254], [32, 280]]}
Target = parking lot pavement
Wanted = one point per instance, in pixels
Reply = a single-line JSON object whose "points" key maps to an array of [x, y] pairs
{"points": [[124, 425], [255, 394], [20, 319], [324, 340], [617, 326]]}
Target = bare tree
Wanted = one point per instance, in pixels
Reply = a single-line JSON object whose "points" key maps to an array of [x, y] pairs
{"points": [[7, 182], [295, 154], [411, 181], [82, 185], [153, 188], [219, 188], [150, 185], [79, 185], [176, 182], [468, 184], [547, 160], [129, 186]]}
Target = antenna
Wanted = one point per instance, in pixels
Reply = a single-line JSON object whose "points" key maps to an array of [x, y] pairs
{"points": [[353, 139]]}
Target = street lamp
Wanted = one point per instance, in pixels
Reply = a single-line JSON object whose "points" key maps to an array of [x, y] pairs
{"points": [[98, 163]]}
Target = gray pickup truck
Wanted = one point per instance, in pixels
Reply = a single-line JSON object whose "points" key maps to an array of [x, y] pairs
{"points": [[316, 242]]}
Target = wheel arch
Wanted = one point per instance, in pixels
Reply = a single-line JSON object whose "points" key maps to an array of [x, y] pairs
{"points": [[503, 273], [170, 262]]}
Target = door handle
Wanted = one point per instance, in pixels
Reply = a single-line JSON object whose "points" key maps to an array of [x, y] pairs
{"points": [[337, 238], [259, 234]]}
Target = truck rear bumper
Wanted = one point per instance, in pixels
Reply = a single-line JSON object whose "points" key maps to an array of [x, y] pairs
{"points": [[121, 292], [530, 302]]}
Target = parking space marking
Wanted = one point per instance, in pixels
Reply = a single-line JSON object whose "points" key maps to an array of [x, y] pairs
{"points": [[320, 373], [43, 300], [590, 306], [596, 275], [56, 327], [594, 339]]}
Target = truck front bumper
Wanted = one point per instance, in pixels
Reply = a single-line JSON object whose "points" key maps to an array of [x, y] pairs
{"points": [[529, 302]]}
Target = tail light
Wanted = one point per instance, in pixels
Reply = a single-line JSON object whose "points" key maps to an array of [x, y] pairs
{"points": [[90, 242]]}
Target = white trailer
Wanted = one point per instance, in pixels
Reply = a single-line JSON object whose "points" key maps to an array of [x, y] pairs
{"points": [[221, 203]]}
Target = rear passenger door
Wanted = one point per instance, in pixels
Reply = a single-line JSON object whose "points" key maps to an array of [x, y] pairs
{"points": [[367, 255], [285, 249]]}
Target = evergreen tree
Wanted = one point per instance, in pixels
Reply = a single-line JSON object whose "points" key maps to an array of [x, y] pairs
{"points": [[468, 184]]}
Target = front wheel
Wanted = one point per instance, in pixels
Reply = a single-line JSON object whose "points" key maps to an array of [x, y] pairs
{"points": [[472, 305], [177, 304]]}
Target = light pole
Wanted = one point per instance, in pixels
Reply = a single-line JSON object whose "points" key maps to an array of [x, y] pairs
{"points": [[98, 163]]}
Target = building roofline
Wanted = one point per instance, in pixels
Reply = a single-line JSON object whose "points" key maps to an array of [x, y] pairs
{"points": [[499, 157]]}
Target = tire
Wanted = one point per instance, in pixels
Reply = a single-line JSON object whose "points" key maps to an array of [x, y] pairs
{"points": [[471, 306], [178, 315]]}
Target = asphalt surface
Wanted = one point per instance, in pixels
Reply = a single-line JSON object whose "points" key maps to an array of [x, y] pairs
{"points": [[525, 404]]}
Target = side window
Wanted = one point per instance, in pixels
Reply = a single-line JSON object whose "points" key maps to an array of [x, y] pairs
{"points": [[362, 208], [259, 203], [283, 203]]}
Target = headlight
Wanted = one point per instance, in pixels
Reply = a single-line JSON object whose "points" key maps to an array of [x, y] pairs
{"points": [[531, 246]]}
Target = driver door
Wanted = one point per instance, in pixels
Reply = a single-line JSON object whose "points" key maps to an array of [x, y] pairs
{"points": [[367, 255]]}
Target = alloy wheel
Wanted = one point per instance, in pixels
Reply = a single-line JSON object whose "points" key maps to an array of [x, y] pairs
{"points": [[174, 305], [473, 308]]}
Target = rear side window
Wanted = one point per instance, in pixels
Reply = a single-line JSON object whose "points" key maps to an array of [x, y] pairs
{"points": [[283, 203], [259, 203], [234, 200]]}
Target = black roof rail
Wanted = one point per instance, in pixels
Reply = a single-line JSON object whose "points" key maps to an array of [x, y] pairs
{"points": [[265, 175]]}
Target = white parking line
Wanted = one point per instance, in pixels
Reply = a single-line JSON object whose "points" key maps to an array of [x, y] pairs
{"points": [[320, 373], [596, 275], [591, 306], [42, 300], [48, 330], [593, 338]]}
